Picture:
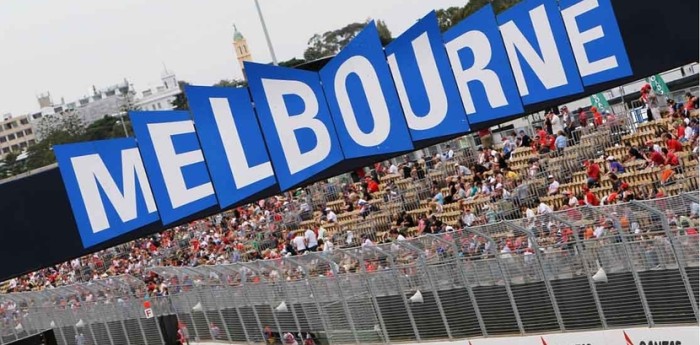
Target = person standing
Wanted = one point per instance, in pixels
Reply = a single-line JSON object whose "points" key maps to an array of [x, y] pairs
{"points": [[310, 240], [649, 98], [299, 243]]}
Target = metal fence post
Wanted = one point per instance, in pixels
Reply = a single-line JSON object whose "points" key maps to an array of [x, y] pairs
{"points": [[221, 315], [547, 283], [266, 296], [459, 261], [244, 287], [285, 292], [633, 270], [375, 303], [343, 300], [314, 292], [506, 278], [589, 277], [402, 288], [424, 265], [675, 249]]}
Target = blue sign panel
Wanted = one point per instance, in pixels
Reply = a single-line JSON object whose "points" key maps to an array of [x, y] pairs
{"points": [[486, 85], [539, 51], [424, 82], [296, 122], [595, 40], [363, 101], [232, 143], [107, 187], [174, 163]]}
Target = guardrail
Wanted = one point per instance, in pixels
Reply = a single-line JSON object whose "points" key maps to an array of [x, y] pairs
{"points": [[632, 264]]}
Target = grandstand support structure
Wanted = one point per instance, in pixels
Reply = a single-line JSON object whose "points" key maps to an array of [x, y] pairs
{"points": [[676, 249], [589, 268]]}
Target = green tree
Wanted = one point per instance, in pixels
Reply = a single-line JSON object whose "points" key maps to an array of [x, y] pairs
{"points": [[180, 101], [52, 130], [106, 128], [450, 16], [10, 165], [293, 62], [231, 83], [331, 42], [384, 33]]}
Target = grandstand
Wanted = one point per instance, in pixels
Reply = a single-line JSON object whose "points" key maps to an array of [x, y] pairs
{"points": [[511, 239]]}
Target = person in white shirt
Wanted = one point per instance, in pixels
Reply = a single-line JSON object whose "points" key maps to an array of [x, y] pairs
{"points": [[299, 243], [331, 217], [529, 213], [393, 169], [573, 201], [462, 170], [366, 242], [553, 186], [311, 241], [450, 154], [468, 218], [556, 124], [543, 208]]}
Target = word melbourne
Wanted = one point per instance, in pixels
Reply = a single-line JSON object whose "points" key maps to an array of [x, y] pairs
{"points": [[291, 127]]}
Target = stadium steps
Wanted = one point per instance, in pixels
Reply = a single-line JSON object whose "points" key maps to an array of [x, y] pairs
{"points": [[496, 310], [576, 303], [667, 297]]}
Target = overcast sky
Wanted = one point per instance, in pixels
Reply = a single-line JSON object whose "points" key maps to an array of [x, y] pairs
{"points": [[67, 46]]}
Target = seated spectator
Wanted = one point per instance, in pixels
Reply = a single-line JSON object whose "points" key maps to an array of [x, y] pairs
{"points": [[593, 172], [553, 187], [666, 176], [614, 166], [670, 157], [590, 198], [561, 141]]}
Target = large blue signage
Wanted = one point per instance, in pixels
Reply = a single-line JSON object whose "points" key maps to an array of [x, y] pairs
{"points": [[290, 126]]}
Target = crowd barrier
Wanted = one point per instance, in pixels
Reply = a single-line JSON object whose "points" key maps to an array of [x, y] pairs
{"points": [[625, 265]]}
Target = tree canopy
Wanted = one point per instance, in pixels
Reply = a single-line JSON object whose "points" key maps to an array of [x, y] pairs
{"points": [[331, 42]]}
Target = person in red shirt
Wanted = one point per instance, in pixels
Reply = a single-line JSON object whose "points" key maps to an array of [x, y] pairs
{"points": [[591, 199], [671, 157], [597, 117], [656, 158], [672, 145], [582, 117], [551, 143], [372, 185], [593, 172], [542, 134]]}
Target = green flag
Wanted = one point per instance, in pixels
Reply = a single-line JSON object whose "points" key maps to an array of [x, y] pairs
{"points": [[599, 101], [658, 85]]}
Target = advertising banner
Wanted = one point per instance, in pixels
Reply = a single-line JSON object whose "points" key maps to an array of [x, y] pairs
{"points": [[290, 125], [630, 336], [658, 85], [598, 100]]}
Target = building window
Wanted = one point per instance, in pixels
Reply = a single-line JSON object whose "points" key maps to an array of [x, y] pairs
{"points": [[31, 142], [3, 140], [15, 147], [19, 134], [10, 137], [159, 106], [22, 144], [5, 150], [24, 121], [28, 131]]}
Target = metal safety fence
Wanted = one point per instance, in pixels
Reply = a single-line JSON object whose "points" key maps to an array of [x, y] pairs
{"points": [[630, 264]]}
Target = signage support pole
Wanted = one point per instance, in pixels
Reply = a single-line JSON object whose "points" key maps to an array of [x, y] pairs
{"points": [[267, 35]]}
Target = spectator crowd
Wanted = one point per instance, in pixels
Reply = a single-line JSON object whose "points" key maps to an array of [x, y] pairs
{"points": [[405, 198]]}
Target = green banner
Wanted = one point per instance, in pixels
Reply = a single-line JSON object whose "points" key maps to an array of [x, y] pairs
{"points": [[599, 101], [658, 85]]}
